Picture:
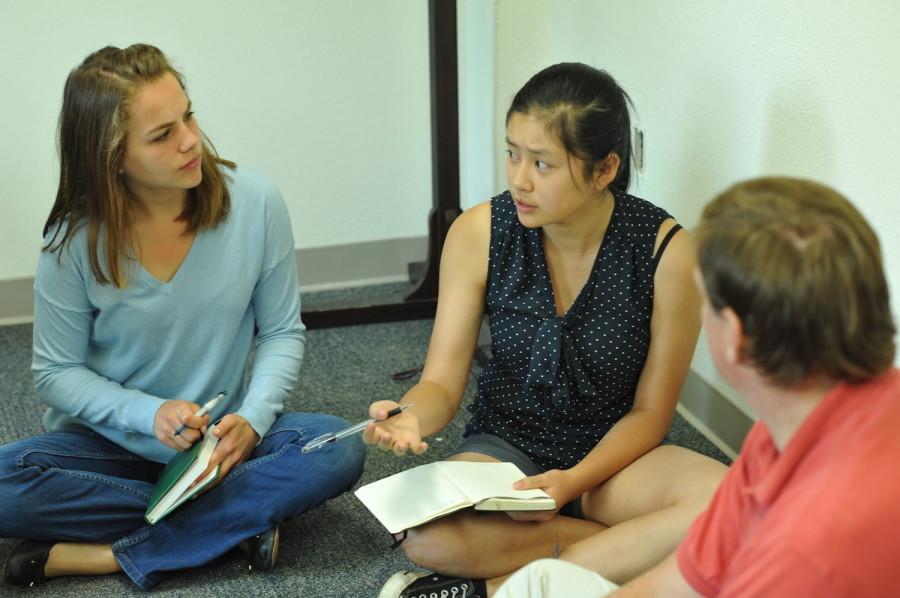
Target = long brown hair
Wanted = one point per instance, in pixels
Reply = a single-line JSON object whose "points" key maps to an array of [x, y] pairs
{"points": [[802, 269], [91, 136]]}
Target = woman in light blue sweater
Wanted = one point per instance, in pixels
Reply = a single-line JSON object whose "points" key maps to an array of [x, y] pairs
{"points": [[167, 275]]}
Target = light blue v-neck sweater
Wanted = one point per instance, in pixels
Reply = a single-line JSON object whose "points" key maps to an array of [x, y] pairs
{"points": [[107, 358]]}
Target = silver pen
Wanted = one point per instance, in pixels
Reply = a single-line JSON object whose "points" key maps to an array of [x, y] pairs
{"points": [[324, 439], [210, 404]]}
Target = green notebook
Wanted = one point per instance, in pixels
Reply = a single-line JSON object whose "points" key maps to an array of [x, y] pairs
{"points": [[172, 486]]}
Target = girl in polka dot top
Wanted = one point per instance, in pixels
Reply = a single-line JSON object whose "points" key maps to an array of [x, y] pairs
{"points": [[593, 316]]}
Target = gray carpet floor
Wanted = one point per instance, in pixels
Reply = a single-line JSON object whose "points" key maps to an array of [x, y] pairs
{"points": [[335, 550]]}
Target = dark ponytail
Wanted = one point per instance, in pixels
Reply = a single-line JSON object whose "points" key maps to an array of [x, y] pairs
{"points": [[586, 110]]}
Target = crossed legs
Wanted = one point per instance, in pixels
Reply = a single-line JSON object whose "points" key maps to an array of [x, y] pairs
{"points": [[633, 521]]}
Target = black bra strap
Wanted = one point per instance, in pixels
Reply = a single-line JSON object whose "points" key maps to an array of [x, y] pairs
{"points": [[662, 246]]}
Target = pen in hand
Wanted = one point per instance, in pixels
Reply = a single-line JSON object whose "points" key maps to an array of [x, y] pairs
{"points": [[324, 439], [210, 404]]}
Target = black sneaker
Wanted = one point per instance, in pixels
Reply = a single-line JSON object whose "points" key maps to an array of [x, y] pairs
{"points": [[424, 584]]}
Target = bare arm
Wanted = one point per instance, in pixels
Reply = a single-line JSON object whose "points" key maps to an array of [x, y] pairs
{"points": [[437, 396]]}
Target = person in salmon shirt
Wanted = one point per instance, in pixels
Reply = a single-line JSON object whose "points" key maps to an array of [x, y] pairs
{"points": [[798, 320]]}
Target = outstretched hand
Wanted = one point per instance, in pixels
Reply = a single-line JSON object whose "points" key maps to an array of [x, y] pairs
{"points": [[400, 433], [554, 482]]}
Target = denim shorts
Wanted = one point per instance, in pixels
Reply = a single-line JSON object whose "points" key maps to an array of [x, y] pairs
{"points": [[496, 447]]}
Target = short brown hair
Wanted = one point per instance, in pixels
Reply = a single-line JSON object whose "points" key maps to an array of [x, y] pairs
{"points": [[92, 133], [802, 269]]}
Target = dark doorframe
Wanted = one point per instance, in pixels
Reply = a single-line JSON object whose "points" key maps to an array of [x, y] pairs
{"points": [[421, 302]]}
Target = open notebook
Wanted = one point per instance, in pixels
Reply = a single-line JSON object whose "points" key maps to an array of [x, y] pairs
{"points": [[418, 495]]}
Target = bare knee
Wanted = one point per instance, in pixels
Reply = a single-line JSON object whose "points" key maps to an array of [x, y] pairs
{"points": [[440, 546], [697, 491]]}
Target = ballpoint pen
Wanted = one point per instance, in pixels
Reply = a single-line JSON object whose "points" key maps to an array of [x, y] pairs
{"points": [[324, 439], [210, 404]]}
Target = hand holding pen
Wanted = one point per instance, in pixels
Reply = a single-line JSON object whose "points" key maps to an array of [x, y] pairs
{"points": [[400, 435], [354, 429], [173, 423], [207, 407]]}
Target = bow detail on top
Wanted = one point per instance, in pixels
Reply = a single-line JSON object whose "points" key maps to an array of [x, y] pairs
{"points": [[556, 365]]}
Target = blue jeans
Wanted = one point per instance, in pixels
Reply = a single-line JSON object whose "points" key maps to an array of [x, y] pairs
{"points": [[77, 486]]}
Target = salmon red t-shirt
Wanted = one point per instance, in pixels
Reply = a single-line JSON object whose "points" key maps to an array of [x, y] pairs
{"points": [[820, 519]]}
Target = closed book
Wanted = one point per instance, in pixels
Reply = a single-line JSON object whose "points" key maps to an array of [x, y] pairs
{"points": [[172, 487], [420, 494]]}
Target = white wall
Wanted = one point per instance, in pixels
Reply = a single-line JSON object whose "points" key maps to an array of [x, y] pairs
{"points": [[329, 98], [727, 90], [525, 45], [475, 28]]}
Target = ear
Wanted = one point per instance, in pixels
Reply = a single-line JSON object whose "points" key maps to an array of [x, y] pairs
{"points": [[606, 170], [735, 340]]}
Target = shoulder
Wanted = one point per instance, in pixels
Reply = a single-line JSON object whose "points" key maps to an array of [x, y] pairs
{"points": [[640, 210], [73, 253], [466, 248], [673, 281], [59, 230], [63, 273], [254, 195], [503, 209], [473, 227], [493, 216], [258, 210], [498, 207], [478, 216], [650, 219], [246, 184], [645, 220], [680, 246]]}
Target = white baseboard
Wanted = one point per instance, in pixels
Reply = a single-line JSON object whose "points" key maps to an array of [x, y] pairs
{"points": [[16, 301], [714, 415], [359, 264], [352, 284], [320, 268]]}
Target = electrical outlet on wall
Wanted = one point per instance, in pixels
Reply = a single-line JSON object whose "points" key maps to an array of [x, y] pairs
{"points": [[638, 149]]}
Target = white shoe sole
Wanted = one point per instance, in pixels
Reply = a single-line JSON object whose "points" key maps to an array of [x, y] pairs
{"points": [[398, 582]]}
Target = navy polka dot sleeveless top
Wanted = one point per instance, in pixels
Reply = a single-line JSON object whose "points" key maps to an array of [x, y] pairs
{"points": [[556, 384]]}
